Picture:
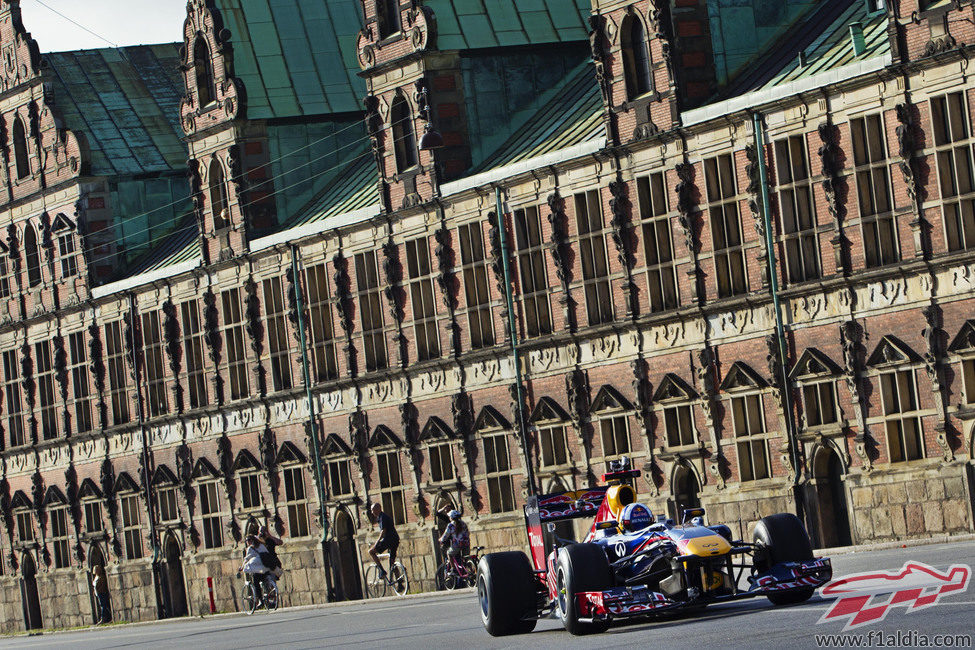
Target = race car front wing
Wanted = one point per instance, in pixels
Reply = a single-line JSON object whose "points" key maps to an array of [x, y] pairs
{"points": [[639, 600]]}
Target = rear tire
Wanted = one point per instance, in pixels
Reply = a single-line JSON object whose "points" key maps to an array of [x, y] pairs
{"points": [[270, 597], [581, 567], [400, 582], [506, 592], [785, 540]]}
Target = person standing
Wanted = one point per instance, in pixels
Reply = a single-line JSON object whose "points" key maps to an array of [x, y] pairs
{"points": [[100, 585], [388, 539]]}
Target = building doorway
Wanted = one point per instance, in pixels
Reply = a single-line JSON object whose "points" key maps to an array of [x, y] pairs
{"points": [[172, 578], [347, 565], [830, 490], [686, 491], [28, 593], [96, 558]]}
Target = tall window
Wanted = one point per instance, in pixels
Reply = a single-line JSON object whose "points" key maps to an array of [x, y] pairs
{"points": [[4, 275], [210, 514], [554, 447], [250, 491], [476, 286], [131, 527], [67, 255], [117, 374], [636, 57], [968, 380], [729, 252], [819, 400], [203, 67], [321, 326], [678, 423], [371, 310], [33, 255], [956, 170], [45, 390], [387, 16], [236, 355], [12, 402], [391, 487], [193, 353], [422, 299], [531, 270], [93, 517], [25, 526], [295, 501], [152, 350], [80, 384], [218, 194], [441, 462], [797, 210], [658, 242], [339, 477], [404, 136], [20, 149], [279, 340], [497, 467], [899, 394], [874, 191], [750, 436], [615, 435], [59, 537], [168, 511], [592, 249]]}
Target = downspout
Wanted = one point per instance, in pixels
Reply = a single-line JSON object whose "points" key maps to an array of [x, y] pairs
{"points": [[513, 332], [779, 327], [312, 418]]}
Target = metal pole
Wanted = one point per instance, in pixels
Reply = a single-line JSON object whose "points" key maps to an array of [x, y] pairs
{"points": [[312, 415], [513, 331], [779, 327]]}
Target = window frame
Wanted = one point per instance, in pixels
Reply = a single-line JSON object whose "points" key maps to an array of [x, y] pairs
{"points": [[279, 349], [531, 250], [321, 330], [81, 393], [168, 491], [724, 209], [59, 516], [478, 302], [47, 396], [387, 458], [130, 518], [496, 475], [13, 396], [89, 507], [67, 254], [866, 166], [194, 353], [548, 432], [372, 330], [957, 192], [656, 227], [899, 417], [156, 389], [235, 358], [423, 299], [750, 436], [211, 513], [253, 480], [597, 274], [340, 466], [296, 505], [403, 133], [637, 62], [795, 186], [118, 375], [24, 524]]}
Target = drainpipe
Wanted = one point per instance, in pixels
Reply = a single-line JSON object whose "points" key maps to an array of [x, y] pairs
{"points": [[153, 542], [513, 332], [779, 327], [312, 418]]}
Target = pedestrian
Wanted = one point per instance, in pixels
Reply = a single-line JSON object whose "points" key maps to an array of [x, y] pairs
{"points": [[100, 584]]}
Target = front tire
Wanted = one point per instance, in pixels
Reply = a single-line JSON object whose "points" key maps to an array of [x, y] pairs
{"points": [[580, 567], [375, 586], [785, 540], [506, 593]]}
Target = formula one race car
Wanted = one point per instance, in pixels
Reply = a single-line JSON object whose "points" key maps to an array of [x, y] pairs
{"points": [[632, 564]]}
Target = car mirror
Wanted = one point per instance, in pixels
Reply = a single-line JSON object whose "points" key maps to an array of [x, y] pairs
{"points": [[604, 525]]}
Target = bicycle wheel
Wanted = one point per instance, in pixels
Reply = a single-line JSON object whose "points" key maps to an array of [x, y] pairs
{"points": [[448, 577], [375, 586], [398, 579], [249, 598], [270, 597], [470, 566]]}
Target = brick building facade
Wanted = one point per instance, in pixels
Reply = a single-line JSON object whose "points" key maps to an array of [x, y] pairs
{"points": [[750, 270]]}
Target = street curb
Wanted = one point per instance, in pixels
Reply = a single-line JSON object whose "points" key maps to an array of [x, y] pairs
{"points": [[905, 543]]}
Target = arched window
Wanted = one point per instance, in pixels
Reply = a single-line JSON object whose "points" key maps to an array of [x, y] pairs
{"points": [[20, 149], [205, 88], [636, 57], [218, 194], [387, 16], [33, 255], [404, 138]]}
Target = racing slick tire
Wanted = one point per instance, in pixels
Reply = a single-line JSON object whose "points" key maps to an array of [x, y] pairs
{"points": [[507, 593], [785, 540], [580, 567]]}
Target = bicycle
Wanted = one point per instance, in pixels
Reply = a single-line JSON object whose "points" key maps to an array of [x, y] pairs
{"points": [[254, 596], [457, 571], [395, 578]]}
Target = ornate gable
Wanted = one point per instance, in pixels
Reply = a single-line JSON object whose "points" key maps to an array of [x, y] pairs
{"points": [[163, 476], [436, 429], [608, 398], [673, 388], [742, 376], [20, 500], [891, 351], [204, 469], [245, 460], [383, 437], [54, 497], [335, 446], [548, 410], [125, 483], [289, 453], [212, 93], [89, 490], [965, 341], [814, 363], [490, 418]]}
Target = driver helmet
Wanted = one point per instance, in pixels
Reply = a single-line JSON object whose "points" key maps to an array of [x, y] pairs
{"points": [[635, 516], [454, 515]]}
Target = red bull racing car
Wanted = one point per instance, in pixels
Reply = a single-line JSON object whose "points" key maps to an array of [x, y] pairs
{"points": [[632, 564]]}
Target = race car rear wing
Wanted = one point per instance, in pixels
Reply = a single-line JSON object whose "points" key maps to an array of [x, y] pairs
{"points": [[558, 506]]}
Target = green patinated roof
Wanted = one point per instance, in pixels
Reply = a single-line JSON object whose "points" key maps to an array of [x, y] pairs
{"points": [[356, 188], [295, 57], [476, 24], [125, 102], [824, 38], [183, 245], [572, 115]]}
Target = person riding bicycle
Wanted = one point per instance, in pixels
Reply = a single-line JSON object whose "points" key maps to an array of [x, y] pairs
{"points": [[456, 537], [270, 558], [388, 539], [254, 566]]}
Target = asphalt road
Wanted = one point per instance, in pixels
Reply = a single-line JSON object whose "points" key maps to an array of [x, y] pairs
{"points": [[452, 621]]}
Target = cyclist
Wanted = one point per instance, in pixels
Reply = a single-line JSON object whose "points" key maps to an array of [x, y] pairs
{"points": [[270, 558], [254, 566], [457, 535], [388, 539]]}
